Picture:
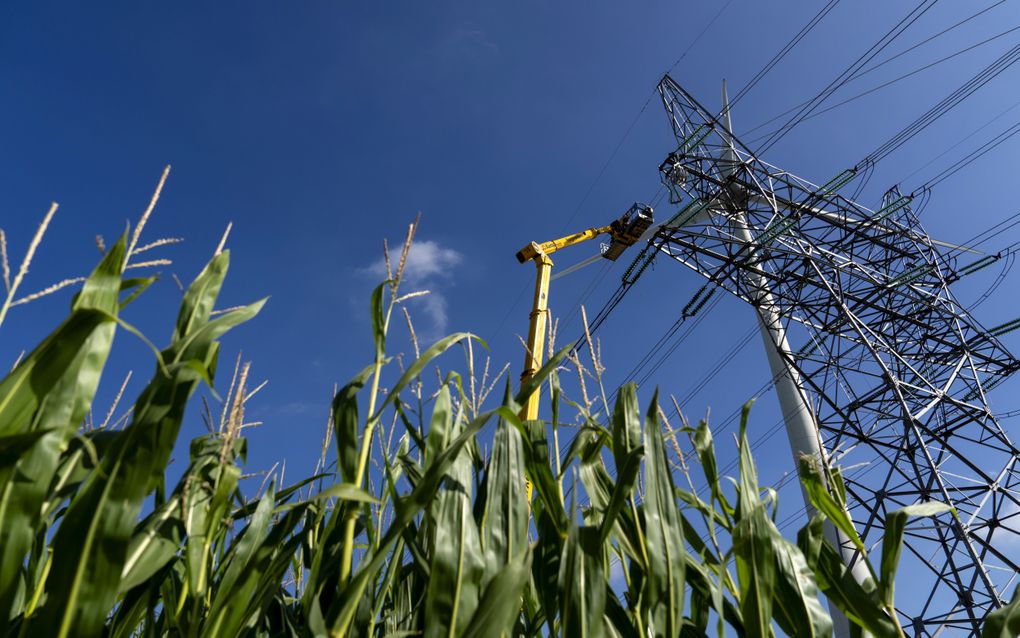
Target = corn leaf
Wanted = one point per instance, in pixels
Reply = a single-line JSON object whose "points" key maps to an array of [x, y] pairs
{"points": [[797, 609], [626, 423], [457, 565], [752, 546], [664, 584], [838, 583], [582, 585], [892, 543], [49, 394], [504, 521], [341, 614], [1004, 622], [501, 603], [90, 547], [345, 424]]}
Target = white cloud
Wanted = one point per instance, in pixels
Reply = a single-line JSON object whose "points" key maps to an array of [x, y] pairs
{"points": [[429, 267]]}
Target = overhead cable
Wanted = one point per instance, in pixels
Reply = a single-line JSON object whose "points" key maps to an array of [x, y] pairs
{"points": [[849, 73], [880, 64], [945, 105]]}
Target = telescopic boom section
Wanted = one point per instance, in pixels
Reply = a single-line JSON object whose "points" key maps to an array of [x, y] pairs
{"points": [[623, 232]]}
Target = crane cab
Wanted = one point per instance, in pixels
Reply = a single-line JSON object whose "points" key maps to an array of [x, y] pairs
{"points": [[627, 230]]}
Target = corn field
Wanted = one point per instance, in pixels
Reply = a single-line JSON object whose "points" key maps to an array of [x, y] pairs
{"points": [[417, 522]]}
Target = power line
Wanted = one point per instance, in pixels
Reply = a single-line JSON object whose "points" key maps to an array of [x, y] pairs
{"points": [[962, 140], [974, 155], [886, 84], [945, 105], [878, 65], [930, 38], [849, 72], [701, 34], [793, 42]]}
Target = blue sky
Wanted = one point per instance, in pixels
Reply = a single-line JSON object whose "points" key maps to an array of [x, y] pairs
{"points": [[321, 128]]}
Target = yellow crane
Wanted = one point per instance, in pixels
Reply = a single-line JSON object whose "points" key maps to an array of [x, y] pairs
{"points": [[623, 232]]}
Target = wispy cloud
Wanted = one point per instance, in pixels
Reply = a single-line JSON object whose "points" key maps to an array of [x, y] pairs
{"points": [[429, 267], [467, 43], [470, 38]]}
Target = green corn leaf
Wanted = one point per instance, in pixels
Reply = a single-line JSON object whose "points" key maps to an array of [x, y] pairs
{"points": [[341, 614], [539, 469], [500, 605], [611, 499], [824, 502], [535, 382], [414, 370], [545, 567], [254, 567], [797, 608], [50, 392], [619, 621], [440, 427], [626, 423], [626, 480], [582, 585], [379, 321], [281, 497], [457, 566], [752, 546], [346, 424], [504, 521], [664, 585], [200, 297], [91, 545], [205, 493], [705, 448], [14, 446], [155, 543], [838, 583], [700, 580], [1004, 622], [586, 447], [892, 543], [243, 552], [136, 604], [136, 286], [345, 492]]}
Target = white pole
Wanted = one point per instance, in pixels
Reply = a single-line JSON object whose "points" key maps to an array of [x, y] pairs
{"points": [[801, 427]]}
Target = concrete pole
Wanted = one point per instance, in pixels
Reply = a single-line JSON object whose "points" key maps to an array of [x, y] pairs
{"points": [[801, 426]]}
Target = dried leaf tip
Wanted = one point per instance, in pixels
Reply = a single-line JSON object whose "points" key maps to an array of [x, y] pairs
{"points": [[223, 239]]}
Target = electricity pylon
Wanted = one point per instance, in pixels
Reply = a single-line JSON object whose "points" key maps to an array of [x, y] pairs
{"points": [[878, 368]]}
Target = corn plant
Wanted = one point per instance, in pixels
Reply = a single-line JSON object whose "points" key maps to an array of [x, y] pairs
{"points": [[416, 522]]}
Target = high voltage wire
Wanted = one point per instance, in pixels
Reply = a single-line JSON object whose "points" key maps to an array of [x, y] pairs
{"points": [[849, 72], [992, 232], [815, 20], [881, 86], [887, 148], [974, 155], [881, 64], [962, 140], [945, 105], [701, 34], [930, 38], [793, 42]]}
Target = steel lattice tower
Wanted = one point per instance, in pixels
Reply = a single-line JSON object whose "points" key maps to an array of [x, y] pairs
{"points": [[887, 367]]}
